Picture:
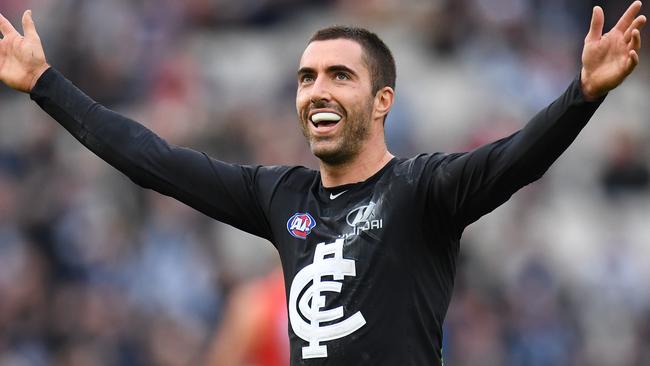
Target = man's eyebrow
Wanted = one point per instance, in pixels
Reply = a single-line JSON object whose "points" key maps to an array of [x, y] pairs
{"points": [[330, 69], [335, 68], [306, 70]]}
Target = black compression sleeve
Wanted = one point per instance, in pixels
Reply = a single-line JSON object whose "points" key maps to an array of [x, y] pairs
{"points": [[226, 192]]}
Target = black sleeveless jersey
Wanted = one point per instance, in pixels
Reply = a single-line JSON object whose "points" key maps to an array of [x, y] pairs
{"points": [[369, 267]]}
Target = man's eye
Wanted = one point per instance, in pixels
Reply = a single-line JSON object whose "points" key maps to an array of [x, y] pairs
{"points": [[341, 76], [306, 79]]}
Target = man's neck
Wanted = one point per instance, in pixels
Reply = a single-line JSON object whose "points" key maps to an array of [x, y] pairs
{"points": [[359, 169]]}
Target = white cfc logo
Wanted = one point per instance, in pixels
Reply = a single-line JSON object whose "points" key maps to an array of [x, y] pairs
{"points": [[328, 261]]}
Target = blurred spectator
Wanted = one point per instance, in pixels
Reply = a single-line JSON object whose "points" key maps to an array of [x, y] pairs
{"points": [[626, 169]]}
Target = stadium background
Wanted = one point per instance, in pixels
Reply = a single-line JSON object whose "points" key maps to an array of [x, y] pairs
{"points": [[96, 271]]}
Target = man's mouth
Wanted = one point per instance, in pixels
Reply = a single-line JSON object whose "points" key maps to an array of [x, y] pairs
{"points": [[325, 119]]}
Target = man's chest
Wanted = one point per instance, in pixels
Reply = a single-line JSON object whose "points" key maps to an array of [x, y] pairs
{"points": [[340, 255], [362, 220]]}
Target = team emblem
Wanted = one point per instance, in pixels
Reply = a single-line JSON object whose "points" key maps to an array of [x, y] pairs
{"points": [[300, 225], [307, 300]]}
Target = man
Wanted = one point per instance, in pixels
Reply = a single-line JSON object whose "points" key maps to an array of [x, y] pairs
{"points": [[369, 242]]}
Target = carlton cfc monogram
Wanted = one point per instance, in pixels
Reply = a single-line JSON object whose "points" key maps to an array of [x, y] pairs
{"points": [[328, 261]]}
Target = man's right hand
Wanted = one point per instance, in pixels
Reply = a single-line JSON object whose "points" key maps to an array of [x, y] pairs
{"points": [[22, 60]]}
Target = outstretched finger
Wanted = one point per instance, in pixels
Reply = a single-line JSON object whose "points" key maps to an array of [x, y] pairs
{"points": [[596, 27], [28, 25], [628, 16], [5, 26], [638, 23]]}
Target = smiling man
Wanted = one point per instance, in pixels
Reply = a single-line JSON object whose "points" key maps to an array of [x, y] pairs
{"points": [[342, 102], [368, 242]]}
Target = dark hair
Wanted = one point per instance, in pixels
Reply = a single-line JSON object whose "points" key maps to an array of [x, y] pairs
{"points": [[381, 63]]}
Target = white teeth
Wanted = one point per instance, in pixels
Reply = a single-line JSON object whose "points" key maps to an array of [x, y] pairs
{"points": [[325, 117]]}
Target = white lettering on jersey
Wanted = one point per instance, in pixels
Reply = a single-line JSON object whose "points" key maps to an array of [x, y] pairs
{"points": [[328, 261], [363, 218]]}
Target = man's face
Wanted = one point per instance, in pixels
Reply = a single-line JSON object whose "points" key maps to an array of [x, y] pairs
{"points": [[334, 82]]}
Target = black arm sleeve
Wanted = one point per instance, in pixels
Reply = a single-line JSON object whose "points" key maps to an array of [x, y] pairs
{"points": [[226, 192], [472, 184]]}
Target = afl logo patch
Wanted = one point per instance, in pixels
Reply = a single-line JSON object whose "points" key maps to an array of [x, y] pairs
{"points": [[300, 225]]}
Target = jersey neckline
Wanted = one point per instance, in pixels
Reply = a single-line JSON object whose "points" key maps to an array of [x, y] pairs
{"points": [[349, 186]]}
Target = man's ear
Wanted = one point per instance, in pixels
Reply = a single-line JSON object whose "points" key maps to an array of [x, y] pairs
{"points": [[384, 99]]}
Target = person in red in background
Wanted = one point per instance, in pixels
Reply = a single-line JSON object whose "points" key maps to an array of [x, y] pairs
{"points": [[254, 327]]}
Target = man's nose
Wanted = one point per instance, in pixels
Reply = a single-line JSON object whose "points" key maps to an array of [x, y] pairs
{"points": [[320, 90]]}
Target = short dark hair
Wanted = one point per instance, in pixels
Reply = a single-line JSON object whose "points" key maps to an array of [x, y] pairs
{"points": [[381, 63]]}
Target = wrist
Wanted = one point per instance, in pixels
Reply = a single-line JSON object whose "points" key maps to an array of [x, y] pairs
{"points": [[37, 75], [588, 91]]}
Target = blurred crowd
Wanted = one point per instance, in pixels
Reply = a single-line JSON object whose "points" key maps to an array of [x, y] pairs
{"points": [[97, 271]]}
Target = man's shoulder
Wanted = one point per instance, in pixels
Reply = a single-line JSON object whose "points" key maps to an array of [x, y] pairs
{"points": [[422, 162], [284, 174], [288, 170]]}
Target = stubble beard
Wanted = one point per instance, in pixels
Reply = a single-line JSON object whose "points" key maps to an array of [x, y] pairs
{"points": [[347, 143]]}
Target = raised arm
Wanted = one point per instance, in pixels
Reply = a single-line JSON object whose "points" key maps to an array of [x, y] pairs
{"points": [[472, 184], [226, 192]]}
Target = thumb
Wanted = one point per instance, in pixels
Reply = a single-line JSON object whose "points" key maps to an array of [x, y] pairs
{"points": [[28, 25], [597, 22]]}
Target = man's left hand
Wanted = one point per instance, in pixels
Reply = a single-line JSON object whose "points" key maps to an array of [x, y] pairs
{"points": [[607, 59]]}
